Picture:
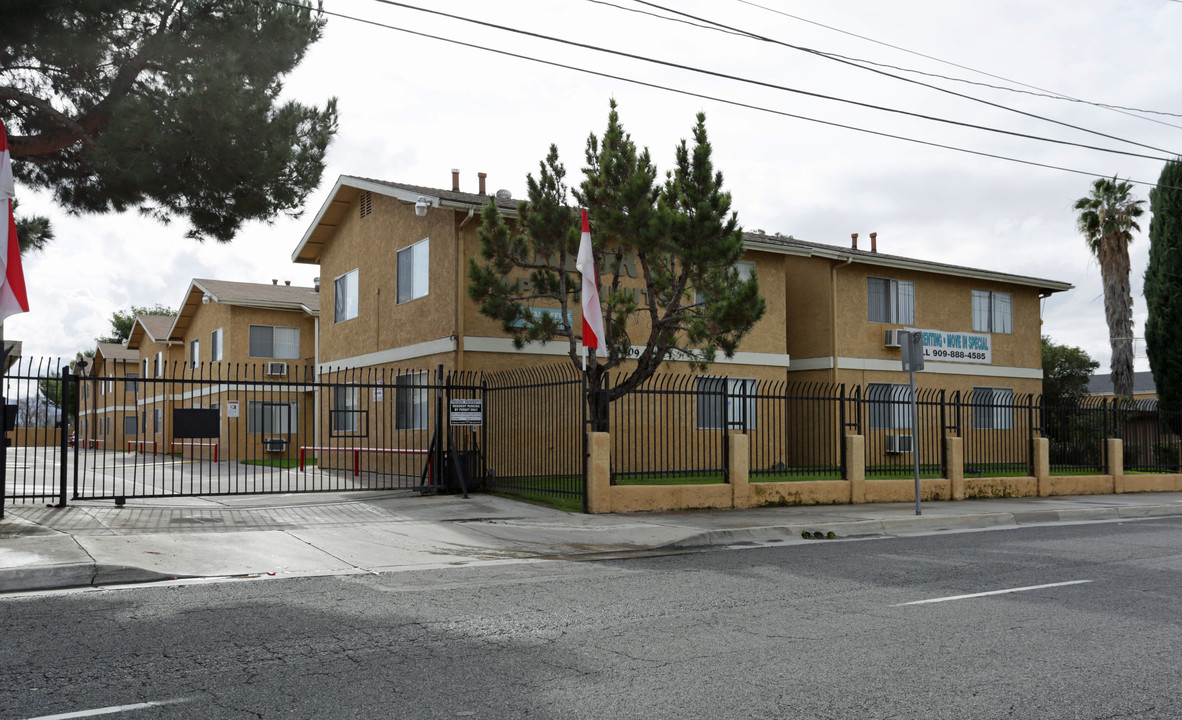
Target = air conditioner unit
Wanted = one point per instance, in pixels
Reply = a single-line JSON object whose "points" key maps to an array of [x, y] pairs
{"points": [[899, 444], [275, 444], [893, 338], [276, 368]]}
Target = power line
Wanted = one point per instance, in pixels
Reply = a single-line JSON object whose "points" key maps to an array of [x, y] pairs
{"points": [[937, 88], [808, 93], [724, 101], [1130, 111]]}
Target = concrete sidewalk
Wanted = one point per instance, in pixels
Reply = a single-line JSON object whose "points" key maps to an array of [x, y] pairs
{"points": [[95, 543]]}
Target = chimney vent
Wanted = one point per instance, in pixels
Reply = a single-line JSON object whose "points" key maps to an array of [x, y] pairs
{"points": [[853, 241], [274, 281], [287, 283], [455, 179], [481, 177], [873, 242]]}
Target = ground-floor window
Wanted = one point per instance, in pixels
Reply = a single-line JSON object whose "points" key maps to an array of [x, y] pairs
{"points": [[272, 418], [993, 408], [889, 406], [725, 403], [411, 399]]}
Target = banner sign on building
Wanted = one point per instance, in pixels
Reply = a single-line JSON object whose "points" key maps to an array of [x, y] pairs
{"points": [[946, 346]]}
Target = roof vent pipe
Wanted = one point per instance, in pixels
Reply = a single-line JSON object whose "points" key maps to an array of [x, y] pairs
{"points": [[873, 242], [455, 180], [274, 281], [481, 176], [853, 241], [287, 283]]}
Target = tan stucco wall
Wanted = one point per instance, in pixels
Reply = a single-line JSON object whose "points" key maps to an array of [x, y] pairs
{"points": [[370, 245]]}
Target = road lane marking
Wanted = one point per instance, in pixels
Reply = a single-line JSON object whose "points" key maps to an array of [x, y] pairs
{"points": [[111, 710], [992, 592]]}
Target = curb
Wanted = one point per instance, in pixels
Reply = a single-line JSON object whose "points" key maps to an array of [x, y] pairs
{"points": [[58, 577], [913, 525]]}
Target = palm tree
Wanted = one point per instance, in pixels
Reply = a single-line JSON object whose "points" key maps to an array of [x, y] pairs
{"points": [[1107, 217]]}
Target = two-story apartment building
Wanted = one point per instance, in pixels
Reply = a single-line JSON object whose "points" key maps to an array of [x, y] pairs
{"points": [[228, 348], [396, 257]]}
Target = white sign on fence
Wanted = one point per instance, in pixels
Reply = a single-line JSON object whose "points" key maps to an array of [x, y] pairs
{"points": [[232, 409], [951, 346], [467, 411]]}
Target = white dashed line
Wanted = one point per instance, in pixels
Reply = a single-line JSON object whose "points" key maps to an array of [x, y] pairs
{"points": [[993, 592], [111, 710]]}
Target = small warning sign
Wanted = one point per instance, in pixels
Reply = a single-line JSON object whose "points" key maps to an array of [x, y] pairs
{"points": [[467, 411]]}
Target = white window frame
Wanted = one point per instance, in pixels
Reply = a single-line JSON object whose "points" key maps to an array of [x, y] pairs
{"points": [[345, 296], [216, 348], [159, 366], [710, 415], [889, 406], [900, 301], [416, 259], [274, 346], [993, 312], [993, 408], [194, 353]]}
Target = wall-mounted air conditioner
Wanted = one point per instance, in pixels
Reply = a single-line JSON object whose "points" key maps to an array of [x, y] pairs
{"points": [[276, 368], [893, 338], [275, 444], [899, 444]]}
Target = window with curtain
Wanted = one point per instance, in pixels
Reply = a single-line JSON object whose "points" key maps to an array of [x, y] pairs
{"points": [[281, 343], [993, 311], [891, 301], [413, 271], [345, 297]]}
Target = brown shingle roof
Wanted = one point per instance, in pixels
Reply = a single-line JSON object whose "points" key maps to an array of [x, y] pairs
{"points": [[231, 292], [117, 351], [156, 325]]}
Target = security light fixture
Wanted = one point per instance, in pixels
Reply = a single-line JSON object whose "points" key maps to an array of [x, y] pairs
{"points": [[205, 299], [421, 206]]}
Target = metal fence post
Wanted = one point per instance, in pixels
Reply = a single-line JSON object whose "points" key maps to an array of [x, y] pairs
{"points": [[64, 421], [841, 431]]}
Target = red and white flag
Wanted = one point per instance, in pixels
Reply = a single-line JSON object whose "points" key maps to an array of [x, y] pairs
{"points": [[13, 299], [592, 314]]}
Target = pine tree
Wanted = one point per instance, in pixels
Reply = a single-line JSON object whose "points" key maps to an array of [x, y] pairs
{"points": [[168, 106], [1163, 286], [665, 255]]}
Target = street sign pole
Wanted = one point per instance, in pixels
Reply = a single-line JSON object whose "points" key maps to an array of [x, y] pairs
{"points": [[912, 347]]}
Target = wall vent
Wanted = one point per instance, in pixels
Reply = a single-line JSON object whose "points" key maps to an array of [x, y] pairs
{"points": [[366, 203]]}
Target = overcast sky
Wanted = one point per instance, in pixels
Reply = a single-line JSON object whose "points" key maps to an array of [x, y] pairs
{"points": [[412, 108]]}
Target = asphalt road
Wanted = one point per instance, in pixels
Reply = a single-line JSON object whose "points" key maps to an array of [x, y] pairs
{"points": [[818, 630]]}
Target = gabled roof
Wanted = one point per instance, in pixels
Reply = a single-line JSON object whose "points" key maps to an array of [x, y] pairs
{"points": [[154, 328], [115, 351], [791, 246], [348, 187], [242, 294]]}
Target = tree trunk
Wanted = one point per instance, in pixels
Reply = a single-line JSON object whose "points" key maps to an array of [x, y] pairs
{"points": [[1118, 311]]}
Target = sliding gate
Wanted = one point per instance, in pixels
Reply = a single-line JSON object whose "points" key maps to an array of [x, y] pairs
{"points": [[234, 429]]}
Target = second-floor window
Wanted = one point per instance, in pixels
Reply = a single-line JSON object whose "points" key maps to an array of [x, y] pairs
{"points": [[281, 343], [215, 345], [344, 297], [158, 366], [891, 301], [993, 311], [413, 271], [194, 353]]}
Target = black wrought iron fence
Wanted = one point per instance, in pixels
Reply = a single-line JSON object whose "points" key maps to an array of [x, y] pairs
{"points": [[794, 430], [1075, 434], [895, 434], [998, 428], [1149, 434], [673, 428], [534, 431]]}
